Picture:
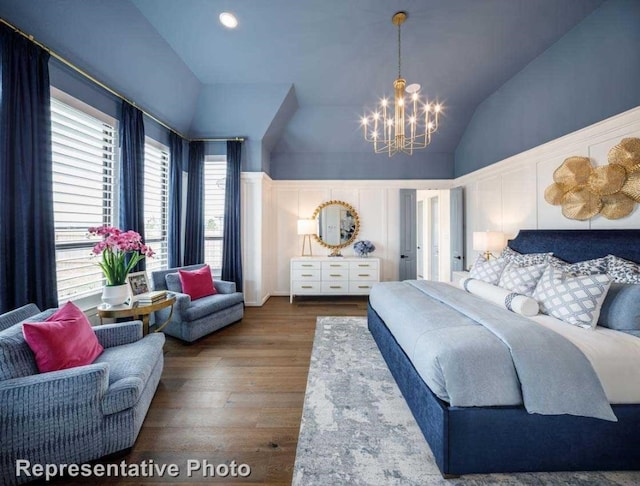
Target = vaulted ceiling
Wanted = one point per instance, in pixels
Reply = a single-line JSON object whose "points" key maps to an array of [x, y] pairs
{"points": [[297, 73]]}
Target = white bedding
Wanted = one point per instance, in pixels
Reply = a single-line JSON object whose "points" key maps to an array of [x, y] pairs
{"points": [[614, 355]]}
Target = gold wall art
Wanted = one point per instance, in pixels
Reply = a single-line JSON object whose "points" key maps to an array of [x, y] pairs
{"points": [[611, 190]]}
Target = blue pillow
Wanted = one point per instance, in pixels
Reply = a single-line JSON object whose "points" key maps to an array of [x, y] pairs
{"points": [[621, 308]]}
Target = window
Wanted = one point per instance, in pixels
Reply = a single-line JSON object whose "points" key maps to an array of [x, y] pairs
{"points": [[215, 176], [83, 145], [156, 211]]}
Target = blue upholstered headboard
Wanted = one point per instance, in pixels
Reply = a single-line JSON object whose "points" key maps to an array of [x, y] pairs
{"points": [[578, 245]]}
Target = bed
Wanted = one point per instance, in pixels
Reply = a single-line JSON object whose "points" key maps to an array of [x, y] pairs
{"points": [[488, 439]]}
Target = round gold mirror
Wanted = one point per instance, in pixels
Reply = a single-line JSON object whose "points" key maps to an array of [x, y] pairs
{"points": [[338, 225]]}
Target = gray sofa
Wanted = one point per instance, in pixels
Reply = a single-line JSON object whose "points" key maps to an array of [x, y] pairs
{"points": [[78, 414], [192, 320]]}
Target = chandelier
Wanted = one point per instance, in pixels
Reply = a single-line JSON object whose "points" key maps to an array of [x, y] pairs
{"points": [[406, 124]]}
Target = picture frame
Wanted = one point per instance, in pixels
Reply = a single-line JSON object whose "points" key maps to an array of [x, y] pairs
{"points": [[138, 284]]}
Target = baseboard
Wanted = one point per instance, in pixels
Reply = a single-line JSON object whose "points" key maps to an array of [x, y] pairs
{"points": [[258, 304]]}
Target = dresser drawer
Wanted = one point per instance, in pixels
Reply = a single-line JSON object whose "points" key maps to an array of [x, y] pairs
{"points": [[305, 265], [311, 287], [360, 287], [363, 274], [335, 274], [364, 265], [305, 274], [337, 287], [334, 265]]}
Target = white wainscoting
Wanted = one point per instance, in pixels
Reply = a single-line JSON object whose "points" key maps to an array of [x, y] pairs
{"points": [[509, 195], [256, 239], [377, 204], [271, 210]]}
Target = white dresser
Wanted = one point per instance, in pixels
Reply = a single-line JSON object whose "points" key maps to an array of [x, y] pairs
{"points": [[333, 275]]}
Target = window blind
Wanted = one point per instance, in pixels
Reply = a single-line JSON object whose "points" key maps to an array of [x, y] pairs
{"points": [[83, 149], [215, 175], [156, 187]]}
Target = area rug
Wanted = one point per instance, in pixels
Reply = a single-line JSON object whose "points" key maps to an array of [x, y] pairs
{"points": [[357, 429]]}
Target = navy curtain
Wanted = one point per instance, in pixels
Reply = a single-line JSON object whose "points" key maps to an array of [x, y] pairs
{"points": [[27, 234], [174, 239], [194, 224], [231, 243], [132, 171]]}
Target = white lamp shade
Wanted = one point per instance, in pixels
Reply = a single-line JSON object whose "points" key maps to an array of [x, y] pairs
{"points": [[307, 226], [488, 240]]}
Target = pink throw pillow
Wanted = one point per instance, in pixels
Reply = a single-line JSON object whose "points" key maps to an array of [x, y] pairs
{"points": [[64, 340], [197, 283]]}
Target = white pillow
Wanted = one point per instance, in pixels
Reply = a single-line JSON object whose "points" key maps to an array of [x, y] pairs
{"points": [[518, 303], [573, 299], [488, 270], [521, 279]]}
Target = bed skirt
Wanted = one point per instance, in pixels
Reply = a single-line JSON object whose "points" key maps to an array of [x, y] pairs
{"points": [[467, 440]]}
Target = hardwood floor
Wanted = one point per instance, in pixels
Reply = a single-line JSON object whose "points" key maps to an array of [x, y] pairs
{"points": [[236, 394]]}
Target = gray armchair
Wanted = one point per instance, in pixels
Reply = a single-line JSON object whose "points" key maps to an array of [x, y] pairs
{"points": [[192, 320], [78, 414]]}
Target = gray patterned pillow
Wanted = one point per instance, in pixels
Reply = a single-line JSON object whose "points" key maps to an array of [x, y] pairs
{"points": [[622, 271], [524, 259], [573, 299], [488, 270], [522, 280], [587, 267]]}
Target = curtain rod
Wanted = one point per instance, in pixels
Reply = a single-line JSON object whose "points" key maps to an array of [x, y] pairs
{"points": [[227, 139], [81, 71]]}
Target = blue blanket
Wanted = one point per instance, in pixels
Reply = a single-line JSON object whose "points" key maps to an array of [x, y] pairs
{"points": [[472, 353]]}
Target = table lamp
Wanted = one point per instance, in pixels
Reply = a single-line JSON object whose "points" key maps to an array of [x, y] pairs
{"points": [[307, 227], [488, 242]]}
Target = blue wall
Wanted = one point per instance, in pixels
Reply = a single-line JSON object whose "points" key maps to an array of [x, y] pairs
{"points": [[590, 74], [76, 85], [360, 166]]}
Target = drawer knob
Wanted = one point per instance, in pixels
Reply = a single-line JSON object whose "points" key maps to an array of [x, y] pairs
{"points": [[363, 286], [336, 287], [363, 275], [307, 287], [307, 275], [335, 275]]}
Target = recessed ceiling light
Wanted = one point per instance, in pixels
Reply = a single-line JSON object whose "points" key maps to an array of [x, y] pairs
{"points": [[228, 20]]}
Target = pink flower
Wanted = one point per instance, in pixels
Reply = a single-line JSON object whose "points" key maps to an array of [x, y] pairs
{"points": [[115, 246]]}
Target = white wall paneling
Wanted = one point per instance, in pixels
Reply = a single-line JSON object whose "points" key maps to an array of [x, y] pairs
{"points": [[509, 195], [377, 205], [268, 240], [252, 237]]}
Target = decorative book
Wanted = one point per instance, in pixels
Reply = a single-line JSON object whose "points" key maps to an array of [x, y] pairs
{"points": [[151, 297]]}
